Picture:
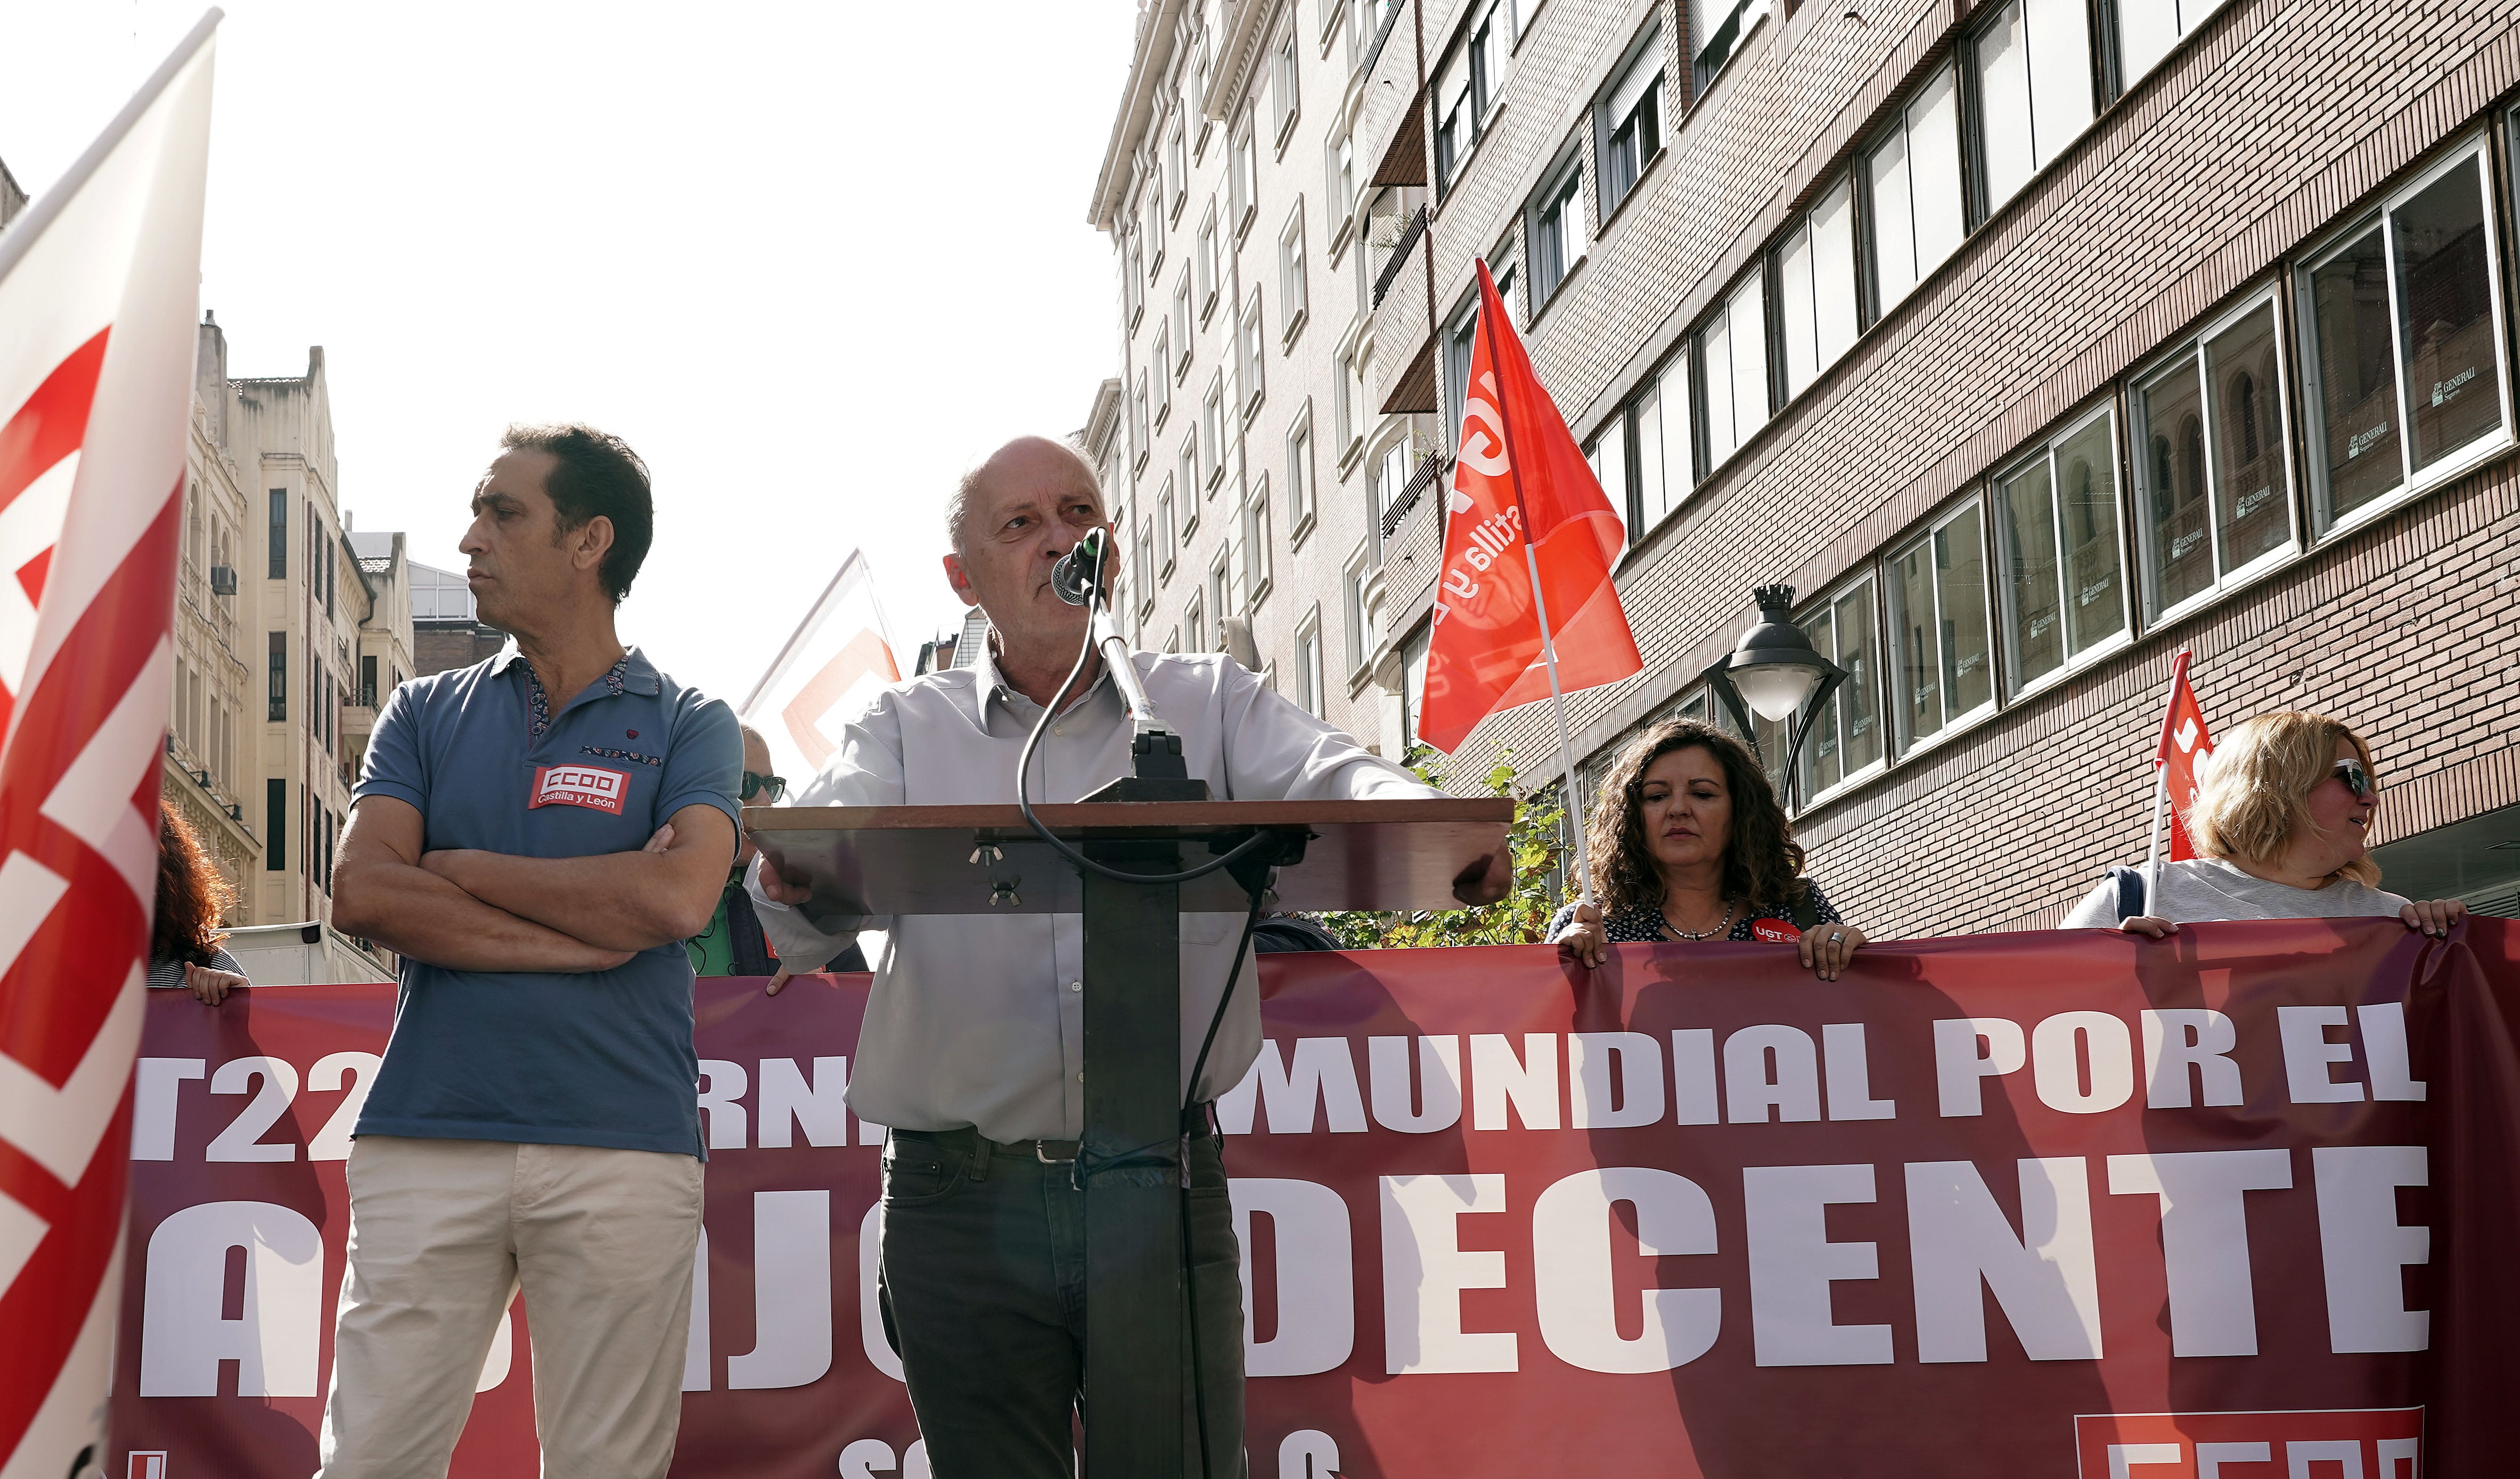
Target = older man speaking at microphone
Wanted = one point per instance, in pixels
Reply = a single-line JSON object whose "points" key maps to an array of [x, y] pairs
{"points": [[974, 1038]]}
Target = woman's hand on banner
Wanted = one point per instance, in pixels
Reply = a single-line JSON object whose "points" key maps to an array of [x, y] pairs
{"points": [[2434, 917], [1826, 948], [210, 986], [1586, 940], [2148, 924]]}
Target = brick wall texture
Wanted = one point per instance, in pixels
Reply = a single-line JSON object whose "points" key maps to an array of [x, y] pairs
{"points": [[2207, 180]]}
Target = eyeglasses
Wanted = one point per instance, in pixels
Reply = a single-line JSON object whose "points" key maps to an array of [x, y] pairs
{"points": [[768, 787], [2357, 780]]}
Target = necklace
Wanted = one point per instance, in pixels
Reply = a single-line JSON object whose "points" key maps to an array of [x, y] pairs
{"points": [[1717, 927]]}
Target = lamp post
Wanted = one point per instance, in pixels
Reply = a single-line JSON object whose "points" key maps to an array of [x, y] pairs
{"points": [[1777, 674]]}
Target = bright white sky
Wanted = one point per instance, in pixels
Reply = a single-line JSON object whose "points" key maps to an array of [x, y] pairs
{"points": [[809, 259]]}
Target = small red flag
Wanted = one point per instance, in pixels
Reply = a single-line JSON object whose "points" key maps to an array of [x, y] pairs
{"points": [[1519, 479], [2185, 746]]}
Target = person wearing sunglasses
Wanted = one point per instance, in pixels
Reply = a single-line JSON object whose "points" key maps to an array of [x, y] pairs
{"points": [[734, 944], [2282, 823]]}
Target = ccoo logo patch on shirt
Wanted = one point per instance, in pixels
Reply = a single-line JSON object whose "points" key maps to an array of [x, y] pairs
{"points": [[589, 785]]}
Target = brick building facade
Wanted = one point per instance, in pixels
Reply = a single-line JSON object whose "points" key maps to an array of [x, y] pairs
{"points": [[2030, 343]]}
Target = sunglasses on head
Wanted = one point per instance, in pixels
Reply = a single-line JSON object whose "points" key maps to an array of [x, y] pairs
{"points": [[768, 787], [2357, 780]]}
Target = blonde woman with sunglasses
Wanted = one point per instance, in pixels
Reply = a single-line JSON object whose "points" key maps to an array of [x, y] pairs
{"points": [[2282, 823]]}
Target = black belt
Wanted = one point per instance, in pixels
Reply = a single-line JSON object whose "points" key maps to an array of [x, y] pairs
{"points": [[967, 1145]]}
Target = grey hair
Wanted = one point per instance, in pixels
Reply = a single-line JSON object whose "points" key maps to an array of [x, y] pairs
{"points": [[967, 485]]}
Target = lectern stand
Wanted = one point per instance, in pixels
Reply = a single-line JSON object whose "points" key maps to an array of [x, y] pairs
{"points": [[978, 860]]}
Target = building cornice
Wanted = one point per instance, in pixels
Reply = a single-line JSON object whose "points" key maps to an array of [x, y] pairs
{"points": [[1156, 23]]}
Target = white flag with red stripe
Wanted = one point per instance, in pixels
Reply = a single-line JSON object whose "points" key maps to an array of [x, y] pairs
{"points": [[100, 283]]}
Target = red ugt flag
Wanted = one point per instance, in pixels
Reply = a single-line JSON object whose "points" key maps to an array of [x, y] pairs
{"points": [[99, 288], [2180, 757], [1519, 478]]}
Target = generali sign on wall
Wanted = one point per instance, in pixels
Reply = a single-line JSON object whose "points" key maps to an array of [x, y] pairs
{"points": [[2235, 1204]]}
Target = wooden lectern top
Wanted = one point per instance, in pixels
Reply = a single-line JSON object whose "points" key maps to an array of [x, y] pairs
{"points": [[977, 859]]}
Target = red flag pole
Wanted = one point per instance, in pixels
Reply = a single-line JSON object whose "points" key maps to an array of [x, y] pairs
{"points": [[1540, 605]]}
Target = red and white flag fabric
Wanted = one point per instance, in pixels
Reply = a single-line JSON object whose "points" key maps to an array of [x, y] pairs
{"points": [[100, 284], [834, 665], [2181, 757], [1519, 479]]}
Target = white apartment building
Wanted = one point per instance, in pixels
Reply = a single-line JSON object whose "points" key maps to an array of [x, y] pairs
{"points": [[1248, 468]]}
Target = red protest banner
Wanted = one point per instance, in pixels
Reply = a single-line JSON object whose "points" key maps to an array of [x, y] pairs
{"points": [[2023, 1205]]}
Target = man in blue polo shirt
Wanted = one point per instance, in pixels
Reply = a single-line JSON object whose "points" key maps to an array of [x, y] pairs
{"points": [[535, 835]]}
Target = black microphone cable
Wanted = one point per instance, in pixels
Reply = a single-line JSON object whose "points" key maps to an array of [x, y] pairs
{"points": [[1097, 595]]}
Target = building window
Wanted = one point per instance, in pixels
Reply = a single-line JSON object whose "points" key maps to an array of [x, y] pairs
{"points": [[275, 826], [1284, 103], [1167, 531], [1630, 121], [1506, 271], [1188, 484], [2056, 528], [1360, 637], [368, 682], [1248, 373], [1163, 384], [1715, 31], [1390, 476], [1341, 184], [1658, 425], [2406, 356], [1846, 734], [1607, 454], [1154, 212], [279, 534], [1468, 86], [1177, 165], [1207, 263], [1300, 475], [1194, 623], [1816, 289], [2211, 473], [2034, 88], [1258, 566], [1243, 177], [1346, 403], [1133, 274], [1943, 674], [1142, 556], [1912, 175], [278, 695], [1733, 368], [1141, 439], [1182, 335], [1308, 665], [2148, 29], [1556, 234], [1211, 430], [1291, 294], [1461, 336]]}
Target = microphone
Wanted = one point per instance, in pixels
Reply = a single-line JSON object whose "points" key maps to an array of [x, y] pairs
{"points": [[1077, 576]]}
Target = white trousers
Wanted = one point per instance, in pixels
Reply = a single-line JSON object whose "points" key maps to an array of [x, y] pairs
{"points": [[442, 1232]]}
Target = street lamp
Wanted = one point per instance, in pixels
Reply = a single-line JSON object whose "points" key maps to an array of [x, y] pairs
{"points": [[1777, 675]]}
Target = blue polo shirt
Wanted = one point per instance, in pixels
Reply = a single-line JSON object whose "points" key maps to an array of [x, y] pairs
{"points": [[596, 1058]]}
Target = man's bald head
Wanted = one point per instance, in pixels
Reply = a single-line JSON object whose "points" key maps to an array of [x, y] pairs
{"points": [[1037, 460], [756, 750]]}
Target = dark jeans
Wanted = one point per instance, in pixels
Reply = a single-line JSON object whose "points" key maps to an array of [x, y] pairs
{"points": [[983, 1292]]}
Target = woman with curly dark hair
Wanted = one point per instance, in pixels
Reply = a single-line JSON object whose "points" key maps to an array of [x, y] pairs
{"points": [[184, 949], [1688, 843]]}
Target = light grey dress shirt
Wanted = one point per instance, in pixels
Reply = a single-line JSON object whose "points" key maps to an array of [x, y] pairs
{"points": [[2199, 890], [980, 1020]]}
